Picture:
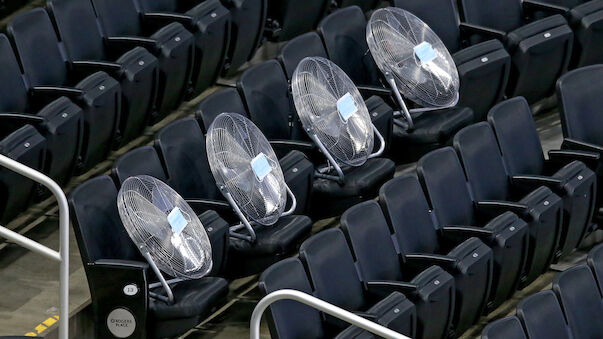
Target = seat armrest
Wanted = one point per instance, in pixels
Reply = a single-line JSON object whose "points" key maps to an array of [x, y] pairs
{"points": [[21, 118], [531, 6], [421, 261], [164, 18], [129, 42], [365, 315], [455, 232], [292, 145], [203, 205], [577, 145], [532, 182], [368, 91], [493, 208], [49, 93], [386, 287], [468, 30], [591, 159], [121, 264], [88, 66]]}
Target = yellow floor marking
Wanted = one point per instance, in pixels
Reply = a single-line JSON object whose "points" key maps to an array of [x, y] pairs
{"points": [[43, 326]]}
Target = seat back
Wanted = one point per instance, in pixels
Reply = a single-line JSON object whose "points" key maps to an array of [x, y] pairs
{"points": [[581, 301], [76, 25], [139, 161], [579, 92], [542, 316], [595, 261], [248, 20], [287, 318], [441, 16], [223, 101], [13, 93], [265, 89], [37, 48], [485, 169], [28, 147], [330, 266], [294, 51], [181, 146], [442, 175], [371, 243], [296, 17], [504, 15], [160, 5], [365, 5], [118, 17], [407, 213], [505, 328], [517, 136], [344, 36], [98, 228]]}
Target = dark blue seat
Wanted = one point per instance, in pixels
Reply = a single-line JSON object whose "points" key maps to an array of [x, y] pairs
{"points": [[542, 317], [505, 328]]}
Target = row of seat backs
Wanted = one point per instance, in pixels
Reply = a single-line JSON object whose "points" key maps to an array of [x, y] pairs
{"points": [[570, 310]]}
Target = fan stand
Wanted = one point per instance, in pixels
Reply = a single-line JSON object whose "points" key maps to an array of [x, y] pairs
{"points": [[169, 299], [340, 177], [246, 224]]}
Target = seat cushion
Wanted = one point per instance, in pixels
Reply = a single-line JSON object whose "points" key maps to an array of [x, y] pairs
{"points": [[193, 298], [282, 237], [465, 248], [436, 126], [536, 197], [359, 181], [475, 51], [569, 171], [533, 28]]}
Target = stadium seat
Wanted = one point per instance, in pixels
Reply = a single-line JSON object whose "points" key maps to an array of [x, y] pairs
{"points": [[540, 49], [483, 68], [365, 5], [136, 70], [39, 53], [489, 180], [579, 97], [344, 36], [209, 21], [569, 178], [107, 250], [581, 301], [247, 28], [505, 328], [453, 204], [381, 269], [421, 245], [290, 18], [334, 278], [173, 46], [225, 100], [27, 146], [60, 122], [542, 317], [269, 103], [584, 17]]}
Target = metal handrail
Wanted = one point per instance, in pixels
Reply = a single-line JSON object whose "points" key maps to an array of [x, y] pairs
{"points": [[62, 256], [320, 305]]}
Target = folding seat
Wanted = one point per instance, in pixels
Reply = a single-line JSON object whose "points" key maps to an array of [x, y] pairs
{"points": [[581, 301], [344, 36], [39, 53], [459, 251], [269, 104], [136, 70], [567, 177], [483, 68], [247, 30], [505, 328], [108, 251], [289, 18], [60, 122], [381, 269], [451, 198], [145, 161], [209, 21], [27, 146], [542, 316], [578, 93], [310, 45], [173, 45], [330, 267], [584, 17], [487, 176], [540, 49]]}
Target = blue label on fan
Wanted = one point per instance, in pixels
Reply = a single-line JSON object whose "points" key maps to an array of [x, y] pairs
{"points": [[425, 52], [346, 106], [260, 166], [177, 220]]}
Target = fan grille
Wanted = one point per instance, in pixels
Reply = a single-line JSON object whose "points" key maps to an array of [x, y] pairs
{"points": [[392, 35], [318, 85], [233, 143], [144, 204]]}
